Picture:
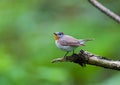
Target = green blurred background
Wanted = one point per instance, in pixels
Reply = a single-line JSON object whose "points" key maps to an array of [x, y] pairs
{"points": [[27, 44]]}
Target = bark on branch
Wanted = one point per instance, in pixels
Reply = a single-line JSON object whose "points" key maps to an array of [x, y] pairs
{"points": [[105, 10], [85, 57]]}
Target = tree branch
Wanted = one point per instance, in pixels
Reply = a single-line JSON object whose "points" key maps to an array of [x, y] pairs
{"points": [[85, 57], [105, 10]]}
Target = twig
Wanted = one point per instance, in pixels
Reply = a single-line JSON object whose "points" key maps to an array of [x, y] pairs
{"points": [[105, 10], [85, 57]]}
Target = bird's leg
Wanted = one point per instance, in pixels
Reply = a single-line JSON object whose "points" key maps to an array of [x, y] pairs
{"points": [[66, 54], [73, 51]]}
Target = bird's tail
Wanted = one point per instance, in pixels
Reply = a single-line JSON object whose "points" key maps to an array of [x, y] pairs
{"points": [[89, 39], [85, 40]]}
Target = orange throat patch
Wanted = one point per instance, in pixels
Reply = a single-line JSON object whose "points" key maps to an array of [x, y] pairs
{"points": [[56, 37]]}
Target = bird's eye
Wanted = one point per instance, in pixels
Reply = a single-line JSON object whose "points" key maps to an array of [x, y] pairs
{"points": [[60, 33]]}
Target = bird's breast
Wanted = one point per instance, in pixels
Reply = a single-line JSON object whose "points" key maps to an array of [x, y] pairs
{"points": [[64, 48]]}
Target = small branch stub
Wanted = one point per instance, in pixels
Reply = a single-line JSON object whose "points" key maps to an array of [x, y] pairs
{"points": [[85, 57]]}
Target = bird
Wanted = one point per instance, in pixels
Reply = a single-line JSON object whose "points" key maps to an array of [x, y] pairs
{"points": [[68, 43]]}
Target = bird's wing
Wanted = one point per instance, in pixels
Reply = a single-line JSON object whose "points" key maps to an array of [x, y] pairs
{"points": [[69, 41]]}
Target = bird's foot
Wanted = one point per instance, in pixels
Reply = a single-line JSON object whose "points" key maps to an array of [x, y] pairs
{"points": [[74, 54]]}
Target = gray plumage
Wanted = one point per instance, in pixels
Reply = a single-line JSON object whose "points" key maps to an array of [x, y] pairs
{"points": [[71, 41]]}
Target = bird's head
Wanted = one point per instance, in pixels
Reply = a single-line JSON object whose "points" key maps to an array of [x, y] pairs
{"points": [[58, 35]]}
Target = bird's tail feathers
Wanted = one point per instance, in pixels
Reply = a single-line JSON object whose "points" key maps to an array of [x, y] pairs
{"points": [[85, 40], [89, 39]]}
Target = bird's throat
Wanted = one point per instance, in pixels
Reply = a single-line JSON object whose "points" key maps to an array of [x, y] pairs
{"points": [[56, 37]]}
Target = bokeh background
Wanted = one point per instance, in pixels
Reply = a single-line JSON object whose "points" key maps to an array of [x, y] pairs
{"points": [[27, 43]]}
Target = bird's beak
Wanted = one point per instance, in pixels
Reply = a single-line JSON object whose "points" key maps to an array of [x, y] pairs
{"points": [[54, 33]]}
